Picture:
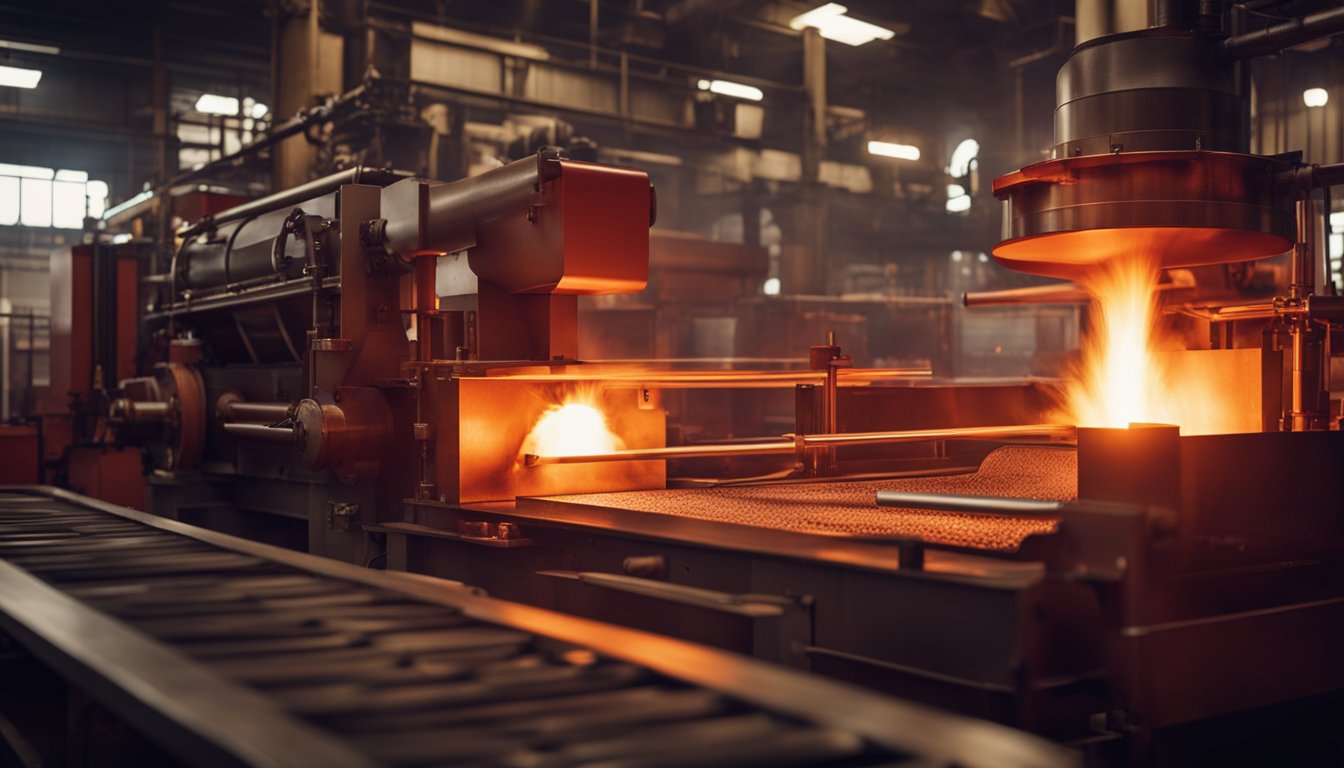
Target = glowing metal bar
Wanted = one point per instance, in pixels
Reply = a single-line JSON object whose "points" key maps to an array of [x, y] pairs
{"points": [[799, 444], [724, 379]]}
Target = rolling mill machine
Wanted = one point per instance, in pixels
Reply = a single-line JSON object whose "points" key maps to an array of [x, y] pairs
{"points": [[384, 369]]}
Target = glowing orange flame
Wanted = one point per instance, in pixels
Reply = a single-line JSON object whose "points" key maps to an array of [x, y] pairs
{"points": [[1120, 380], [573, 428], [1127, 372]]}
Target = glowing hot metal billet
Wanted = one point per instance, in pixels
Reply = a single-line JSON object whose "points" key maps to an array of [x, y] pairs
{"points": [[801, 443]]}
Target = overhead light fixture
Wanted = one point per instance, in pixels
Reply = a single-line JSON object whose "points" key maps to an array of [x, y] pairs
{"points": [[729, 88], [1315, 97], [831, 21], [18, 77], [214, 104], [15, 45], [898, 151]]}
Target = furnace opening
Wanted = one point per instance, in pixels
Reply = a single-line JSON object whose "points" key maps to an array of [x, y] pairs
{"points": [[572, 428]]}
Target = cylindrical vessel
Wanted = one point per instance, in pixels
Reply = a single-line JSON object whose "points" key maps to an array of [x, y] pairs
{"points": [[1150, 157], [1156, 89], [240, 250]]}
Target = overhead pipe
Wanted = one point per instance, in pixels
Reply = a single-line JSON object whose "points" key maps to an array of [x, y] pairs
{"points": [[1278, 37]]}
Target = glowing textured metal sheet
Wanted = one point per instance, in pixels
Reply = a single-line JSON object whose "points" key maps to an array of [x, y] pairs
{"points": [[849, 509]]}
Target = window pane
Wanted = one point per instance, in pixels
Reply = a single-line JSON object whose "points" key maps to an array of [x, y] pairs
{"points": [[67, 205], [9, 200], [26, 171], [36, 208], [97, 193], [190, 158]]}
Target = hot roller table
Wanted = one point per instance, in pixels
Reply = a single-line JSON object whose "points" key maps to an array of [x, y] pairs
{"points": [[218, 651]]}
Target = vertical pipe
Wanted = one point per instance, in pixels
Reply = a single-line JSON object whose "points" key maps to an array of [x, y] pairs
{"points": [[1323, 268], [592, 34], [164, 165], [810, 221], [1019, 115], [625, 84], [814, 84], [426, 305], [1306, 338], [1304, 252]]}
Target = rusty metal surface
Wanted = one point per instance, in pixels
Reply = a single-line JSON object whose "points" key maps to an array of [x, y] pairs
{"points": [[848, 508]]}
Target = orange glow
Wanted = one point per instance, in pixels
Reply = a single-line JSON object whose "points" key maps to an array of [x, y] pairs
{"points": [[1120, 380], [1127, 372], [571, 429]]}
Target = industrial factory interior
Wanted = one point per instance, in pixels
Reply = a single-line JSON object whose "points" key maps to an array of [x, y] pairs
{"points": [[662, 383]]}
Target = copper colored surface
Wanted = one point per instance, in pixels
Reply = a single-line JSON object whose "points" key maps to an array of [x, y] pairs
{"points": [[1190, 208], [848, 508], [1070, 254]]}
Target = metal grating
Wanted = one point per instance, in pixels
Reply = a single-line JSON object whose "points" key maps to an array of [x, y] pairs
{"points": [[849, 509], [371, 668]]}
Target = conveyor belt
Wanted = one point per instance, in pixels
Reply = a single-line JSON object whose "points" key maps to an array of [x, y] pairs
{"points": [[849, 508], [229, 652]]}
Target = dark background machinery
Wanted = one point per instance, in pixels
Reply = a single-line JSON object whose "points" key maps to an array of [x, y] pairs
{"points": [[352, 365]]}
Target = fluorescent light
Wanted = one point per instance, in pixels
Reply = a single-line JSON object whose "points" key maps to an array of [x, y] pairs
{"points": [[15, 45], [1315, 97], [259, 111], [831, 21], [898, 151], [214, 104], [18, 77], [959, 204], [729, 88]]}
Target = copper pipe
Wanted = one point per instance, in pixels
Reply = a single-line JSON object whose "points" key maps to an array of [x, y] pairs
{"points": [[952, 433], [728, 379], [1260, 310], [1060, 293], [800, 443]]}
